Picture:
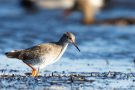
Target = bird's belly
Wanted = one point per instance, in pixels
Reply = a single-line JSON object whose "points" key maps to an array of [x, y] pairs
{"points": [[45, 60], [36, 62], [53, 60], [49, 60], [41, 62]]}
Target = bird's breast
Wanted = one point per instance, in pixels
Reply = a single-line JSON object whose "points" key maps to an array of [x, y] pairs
{"points": [[54, 58]]}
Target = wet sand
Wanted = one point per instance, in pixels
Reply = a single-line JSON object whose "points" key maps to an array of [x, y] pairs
{"points": [[70, 81]]}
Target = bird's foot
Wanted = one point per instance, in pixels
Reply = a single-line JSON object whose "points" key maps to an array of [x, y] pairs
{"points": [[38, 73], [34, 72]]}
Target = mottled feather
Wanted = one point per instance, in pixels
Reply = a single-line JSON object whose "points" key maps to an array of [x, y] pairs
{"points": [[38, 51], [44, 54]]}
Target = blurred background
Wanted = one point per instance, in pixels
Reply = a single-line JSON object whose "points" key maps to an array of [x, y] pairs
{"points": [[104, 31]]}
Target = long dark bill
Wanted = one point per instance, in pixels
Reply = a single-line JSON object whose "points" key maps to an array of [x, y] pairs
{"points": [[76, 46]]}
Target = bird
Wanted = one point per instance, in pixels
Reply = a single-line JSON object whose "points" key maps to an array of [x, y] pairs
{"points": [[35, 5], [88, 8], [39, 56]]}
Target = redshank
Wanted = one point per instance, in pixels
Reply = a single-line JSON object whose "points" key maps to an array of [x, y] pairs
{"points": [[38, 57]]}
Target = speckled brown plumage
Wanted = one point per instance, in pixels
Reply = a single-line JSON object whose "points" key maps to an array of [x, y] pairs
{"points": [[43, 54], [40, 50]]}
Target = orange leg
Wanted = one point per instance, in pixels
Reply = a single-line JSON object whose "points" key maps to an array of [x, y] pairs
{"points": [[33, 70], [38, 72]]}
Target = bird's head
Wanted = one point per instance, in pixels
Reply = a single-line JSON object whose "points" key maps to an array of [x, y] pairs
{"points": [[71, 39]]}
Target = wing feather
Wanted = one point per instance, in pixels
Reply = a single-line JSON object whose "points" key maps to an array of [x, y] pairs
{"points": [[35, 52]]}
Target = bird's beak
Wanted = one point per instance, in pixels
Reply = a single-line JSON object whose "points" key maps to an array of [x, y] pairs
{"points": [[76, 46]]}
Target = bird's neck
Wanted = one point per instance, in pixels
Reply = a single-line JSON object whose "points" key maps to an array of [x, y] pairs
{"points": [[63, 41]]}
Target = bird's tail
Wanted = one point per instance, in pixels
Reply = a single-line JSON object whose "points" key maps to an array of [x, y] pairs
{"points": [[12, 54]]}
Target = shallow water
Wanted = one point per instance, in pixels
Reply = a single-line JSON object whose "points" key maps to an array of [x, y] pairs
{"points": [[104, 48]]}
